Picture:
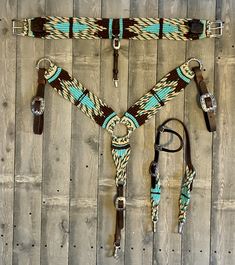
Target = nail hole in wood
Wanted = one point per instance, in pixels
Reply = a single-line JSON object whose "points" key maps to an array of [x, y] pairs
{"points": [[92, 247], [58, 190], [143, 249], [132, 248], [45, 246], [17, 244], [74, 246], [14, 225], [86, 166], [6, 244], [71, 179], [201, 251], [32, 245], [229, 252], [43, 202], [160, 249], [2, 159], [1, 235], [30, 213], [218, 57], [173, 250], [61, 246], [189, 250], [215, 251], [101, 247], [232, 46]]}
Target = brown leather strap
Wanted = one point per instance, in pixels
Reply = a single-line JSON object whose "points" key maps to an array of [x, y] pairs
{"points": [[120, 205], [37, 105], [116, 47], [207, 100]]}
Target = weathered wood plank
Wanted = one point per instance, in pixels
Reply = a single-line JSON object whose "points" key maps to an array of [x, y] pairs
{"points": [[7, 130], [223, 189], [195, 246], [107, 188], [56, 153], [142, 76], [28, 149], [167, 249], [84, 149]]}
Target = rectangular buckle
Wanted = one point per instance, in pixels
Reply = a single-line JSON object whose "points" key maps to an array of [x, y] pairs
{"points": [[213, 106], [118, 201], [215, 29], [38, 106], [17, 26]]}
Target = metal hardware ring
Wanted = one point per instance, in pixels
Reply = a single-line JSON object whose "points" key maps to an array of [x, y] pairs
{"points": [[42, 60], [195, 60]]}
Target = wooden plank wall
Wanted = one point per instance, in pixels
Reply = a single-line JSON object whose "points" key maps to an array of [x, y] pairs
{"points": [[56, 190]]}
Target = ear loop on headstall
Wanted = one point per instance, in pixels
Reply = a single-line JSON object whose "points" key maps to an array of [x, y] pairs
{"points": [[186, 186]]}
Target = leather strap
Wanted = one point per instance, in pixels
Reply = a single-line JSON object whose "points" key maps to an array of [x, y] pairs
{"points": [[207, 99], [37, 105]]}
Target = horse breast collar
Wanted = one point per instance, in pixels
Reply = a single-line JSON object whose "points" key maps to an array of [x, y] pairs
{"points": [[54, 27], [139, 113]]}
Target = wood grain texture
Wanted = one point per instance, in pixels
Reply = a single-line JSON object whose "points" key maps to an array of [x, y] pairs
{"points": [[195, 247], [84, 149], [28, 149], [107, 188], [142, 77], [167, 247], [223, 187], [7, 130], [57, 190], [56, 153]]}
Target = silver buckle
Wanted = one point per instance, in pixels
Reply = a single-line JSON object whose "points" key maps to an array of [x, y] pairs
{"points": [[41, 106], [116, 43], [17, 25], [215, 29], [203, 102], [120, 199]]}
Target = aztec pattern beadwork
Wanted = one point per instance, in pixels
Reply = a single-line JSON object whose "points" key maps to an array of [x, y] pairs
{"points": [[185, 195], [55, 27]]}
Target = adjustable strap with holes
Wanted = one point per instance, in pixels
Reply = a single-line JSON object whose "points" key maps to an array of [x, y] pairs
{"points": [[190, 173], [37, 104], [207, 100], [55, 27], [144, 109]]}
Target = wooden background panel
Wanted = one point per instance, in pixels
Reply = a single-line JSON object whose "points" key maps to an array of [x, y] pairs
{"points": [[195, 245], [142, 77], [28, 149], [223, 188], [84, 149], [66, 215], [56, 154], [7, 130]]}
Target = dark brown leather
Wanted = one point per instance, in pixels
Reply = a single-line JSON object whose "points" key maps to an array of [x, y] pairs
{"points": [[120, 208], [39, 119], [210, 117], [115, 64]]}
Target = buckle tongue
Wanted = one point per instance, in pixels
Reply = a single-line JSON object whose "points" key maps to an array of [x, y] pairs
{"points": [[215, 29], [203, 99], [38, 106]]}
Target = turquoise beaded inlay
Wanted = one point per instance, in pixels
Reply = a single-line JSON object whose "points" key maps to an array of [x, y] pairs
{"points": [[85, 100], [64, 27], [56, 74], [108, 119], [185, 195], [155, 194], [110, 28], [127, 114], [162, 94], [121, 28], [166, 28], [120, 152], [182, 76]]}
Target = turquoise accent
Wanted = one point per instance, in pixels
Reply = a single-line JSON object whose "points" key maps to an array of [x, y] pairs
{"points": [[167, 28], [120, 152], [110, 28], [185, 195], [162, 94], [181, 75], [57, 73], [85, 100], [121, 28], [127, 114], [156, 194], [107, 119], [64, 27]]}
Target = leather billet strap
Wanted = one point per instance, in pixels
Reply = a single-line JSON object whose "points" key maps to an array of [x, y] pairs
{"points": [[207, 101], [55, 27], [155, 176], [139, 113], [38, 104]]}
